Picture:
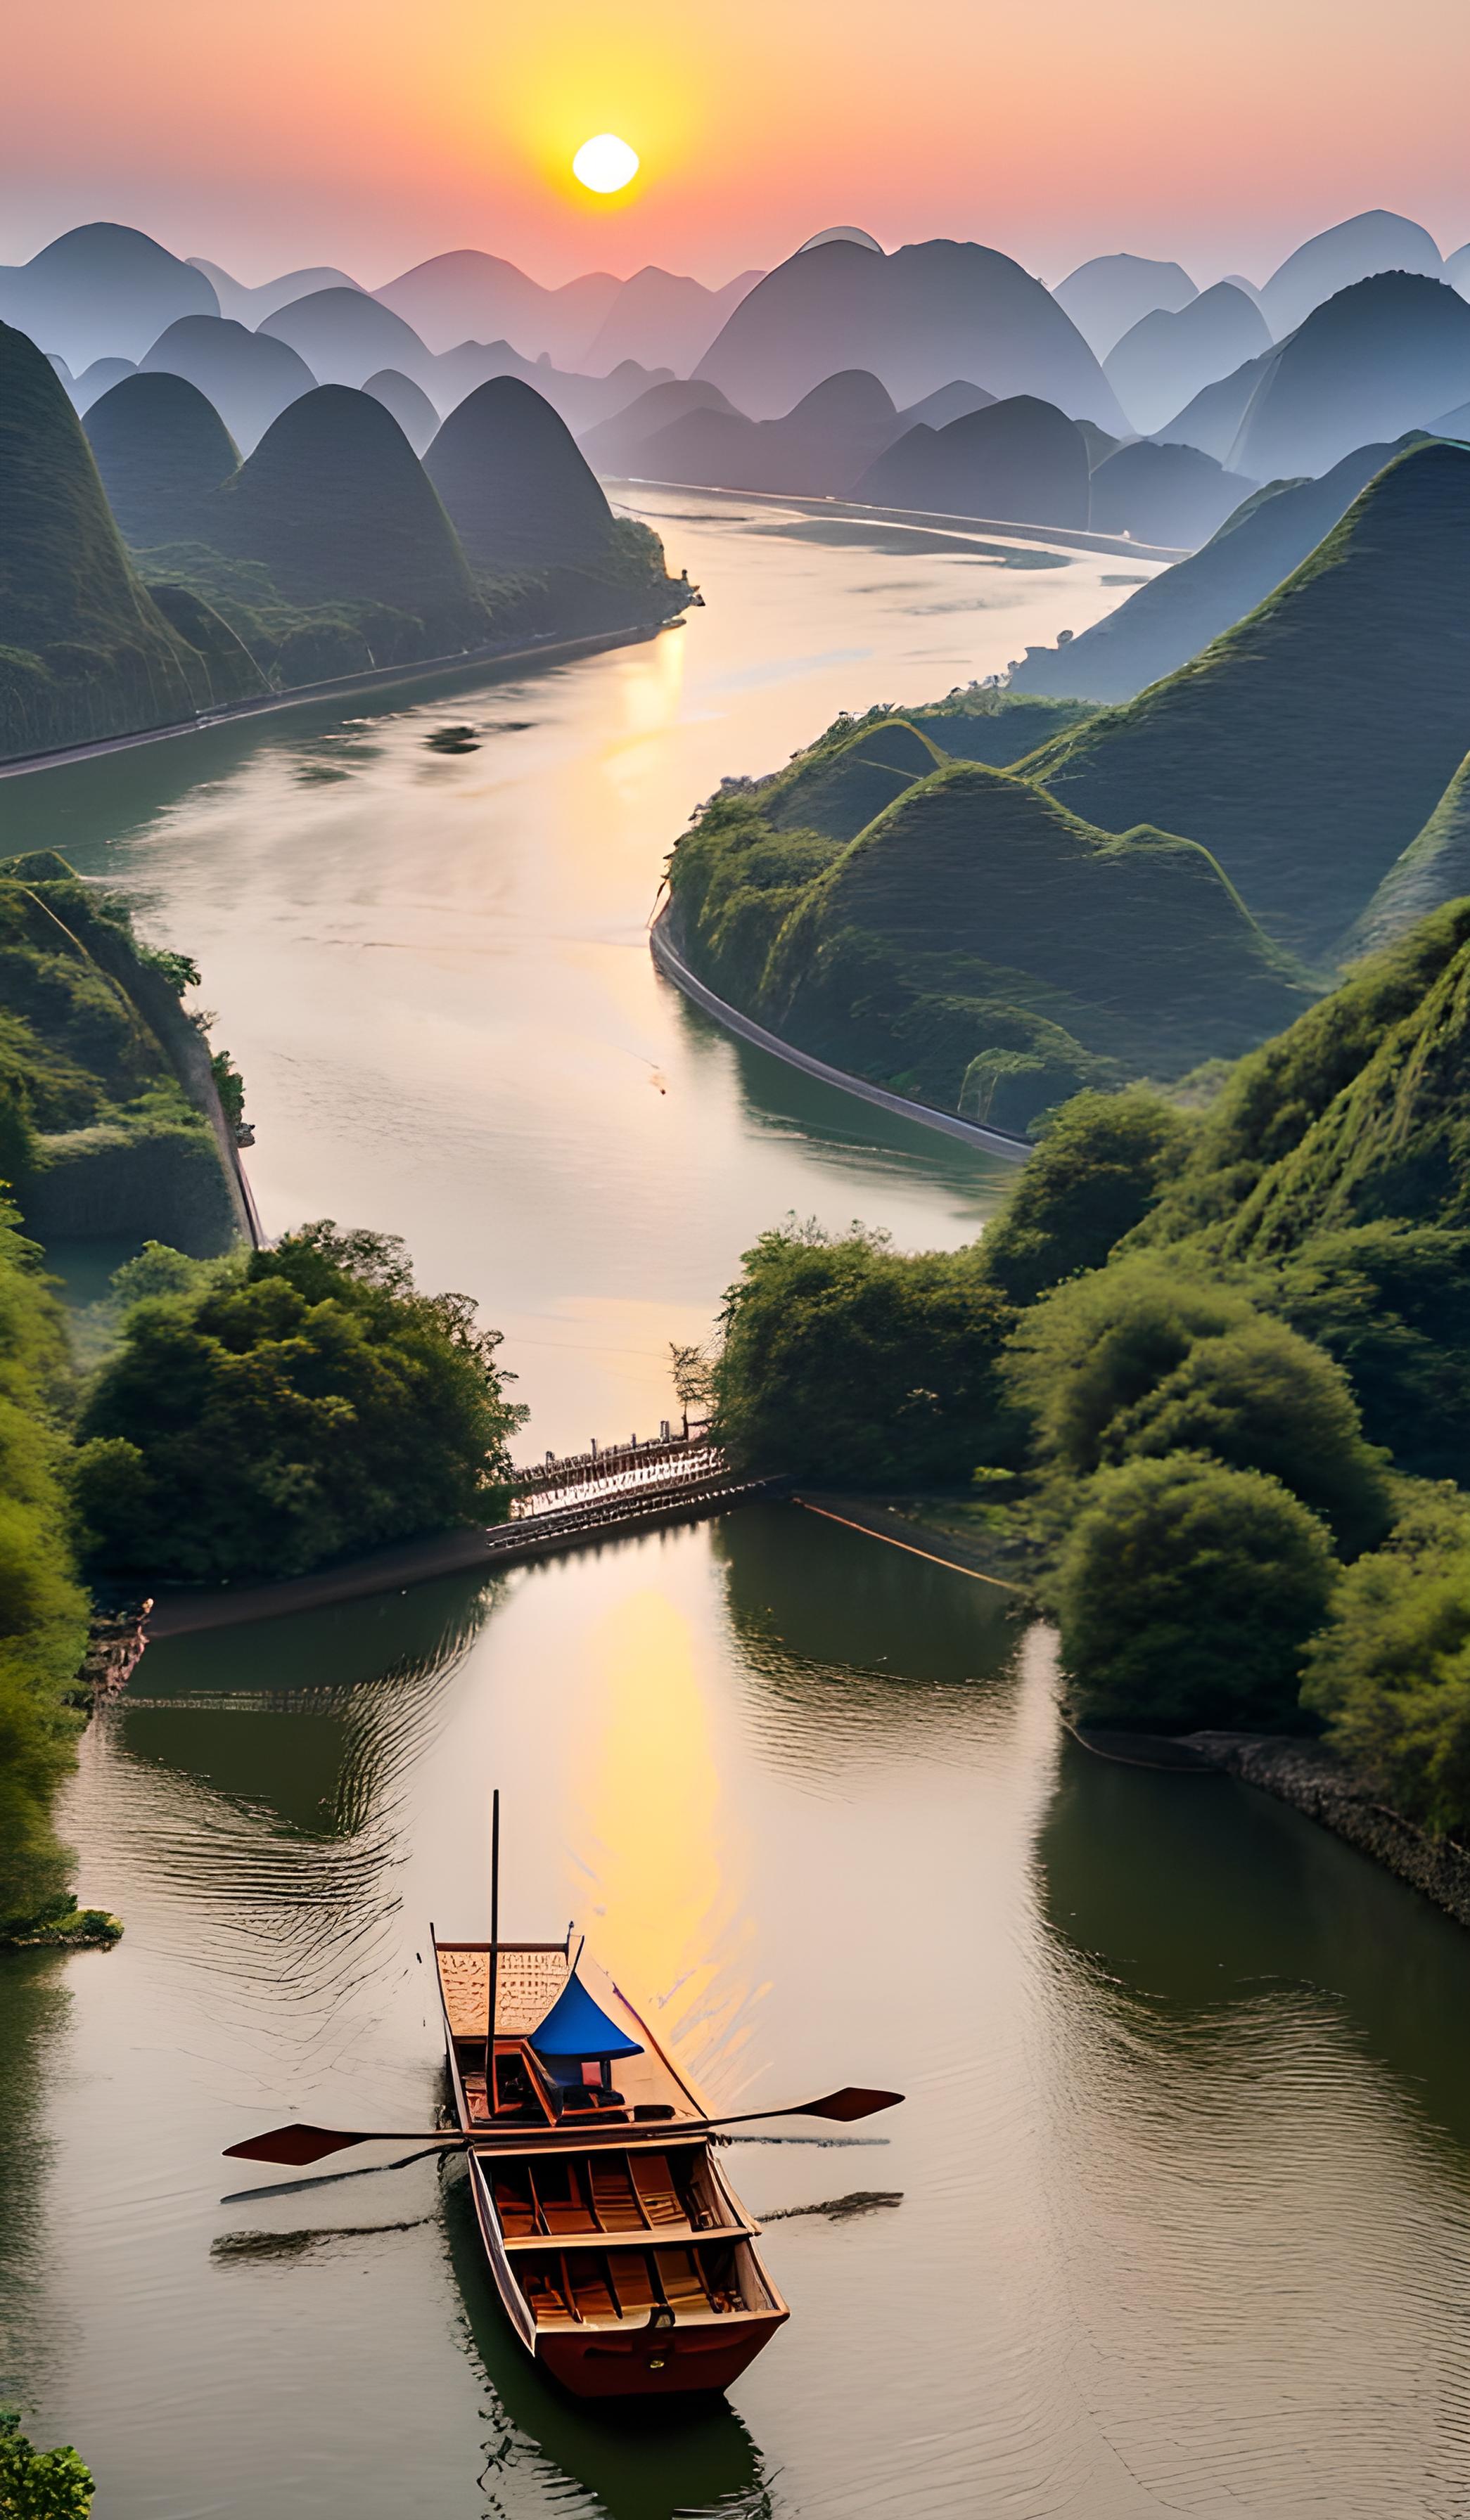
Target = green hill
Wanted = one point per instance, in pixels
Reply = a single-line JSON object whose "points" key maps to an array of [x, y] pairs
{"points": [[160, 448], [975, 943], [512, 478], [336, 506], [838, 790], [86, 652], [1434, 869], [1353, 1113], [860, 765], [107, 1118], [1179, 612], [1308, 745]]}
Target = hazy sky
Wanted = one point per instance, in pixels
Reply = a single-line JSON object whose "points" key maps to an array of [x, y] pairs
{"points": [[370, 133]]}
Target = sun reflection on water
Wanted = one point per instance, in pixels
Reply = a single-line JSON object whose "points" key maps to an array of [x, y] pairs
{"points": [[666, 1870]]}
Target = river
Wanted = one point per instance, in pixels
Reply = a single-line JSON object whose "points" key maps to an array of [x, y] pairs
{"points": [[1176, 2217]]}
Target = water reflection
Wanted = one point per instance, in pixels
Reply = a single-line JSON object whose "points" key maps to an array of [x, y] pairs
{"points": [[34, 2004], [664, 1861], [543, 2451], [1252, 2065], [1179, 1888], [860, 1650]]}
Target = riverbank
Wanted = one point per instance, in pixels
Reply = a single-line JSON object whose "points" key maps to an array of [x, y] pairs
{"points": [[1312, 1780], [447, 671], [1011, 1148]]}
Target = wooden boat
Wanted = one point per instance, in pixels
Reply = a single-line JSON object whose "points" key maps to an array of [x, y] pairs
{"points": [[626, 2263]]}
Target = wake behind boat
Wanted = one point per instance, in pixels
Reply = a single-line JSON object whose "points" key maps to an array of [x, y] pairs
{"points": [[626, 2262]]}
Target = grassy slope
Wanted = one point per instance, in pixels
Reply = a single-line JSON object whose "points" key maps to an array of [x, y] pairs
{"points": [[1169, 619], [1308, 745], [1434, 869], [1353, 1113], [336, 506], [96, 1094], [160, 448], [974, 942]]}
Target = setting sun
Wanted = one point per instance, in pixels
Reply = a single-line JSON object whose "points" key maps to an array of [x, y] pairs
{"points": [[604, 164]]}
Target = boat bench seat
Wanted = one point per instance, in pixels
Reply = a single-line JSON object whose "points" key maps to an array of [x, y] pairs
{"points": [[657, 2193], [626, 2283], [613, 2199]]}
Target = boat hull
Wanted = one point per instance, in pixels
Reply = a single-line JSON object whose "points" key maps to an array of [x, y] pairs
{"points": [[654, 2363]]}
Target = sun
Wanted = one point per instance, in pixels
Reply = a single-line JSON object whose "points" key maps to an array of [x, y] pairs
{"points": [[604, 164]]}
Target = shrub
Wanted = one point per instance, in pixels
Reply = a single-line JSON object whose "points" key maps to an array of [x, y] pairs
{"points": [[847, 1362], [1143, 1359], [1391, 1301], [306, 1405], [1092, 1178], [1187, 1592], [40, 2484], [1390, 1670]]}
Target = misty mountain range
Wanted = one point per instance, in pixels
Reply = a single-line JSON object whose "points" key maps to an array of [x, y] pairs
{"points": [[941, 377]]}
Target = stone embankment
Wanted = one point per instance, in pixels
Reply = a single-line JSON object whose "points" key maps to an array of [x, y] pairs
{"points": [[1314, 1781]]}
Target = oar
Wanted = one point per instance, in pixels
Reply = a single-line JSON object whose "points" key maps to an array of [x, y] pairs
{"points": [[299, 2146]]}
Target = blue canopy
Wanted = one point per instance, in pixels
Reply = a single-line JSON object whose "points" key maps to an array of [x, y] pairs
{"points": [[576, 2026]]}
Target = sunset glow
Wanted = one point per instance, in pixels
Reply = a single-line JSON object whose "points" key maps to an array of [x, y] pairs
{"points": [[367, 156]]}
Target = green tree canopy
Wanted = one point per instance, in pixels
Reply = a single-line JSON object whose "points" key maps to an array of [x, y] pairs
{"points": [[40, 2484], [846, 1362], [43, 1613], [300, 1407], [1391, 1301], [1187, 1592], [1390, 1671], [1093, 1177], [1146, 1358]]}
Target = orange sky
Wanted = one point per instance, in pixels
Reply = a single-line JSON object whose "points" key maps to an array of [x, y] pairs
{"points": [[370, 134]]}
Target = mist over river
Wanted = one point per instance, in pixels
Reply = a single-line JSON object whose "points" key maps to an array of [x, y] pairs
{"points": [[1176, 2217]]}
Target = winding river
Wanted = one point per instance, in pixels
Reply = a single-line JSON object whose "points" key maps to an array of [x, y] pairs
{"points": [[1177, 2219]]}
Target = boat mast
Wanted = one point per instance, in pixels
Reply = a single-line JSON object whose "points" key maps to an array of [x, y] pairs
{"points": [[490, 2028]]}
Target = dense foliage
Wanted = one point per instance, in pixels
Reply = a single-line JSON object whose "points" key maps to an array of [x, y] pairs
{"points": [[846, 1362], [43, 1613], [1238, 1338], [1094, 1176], [1142, 1360], [40, 2484], [1187, 1592], [96, 1133], [287, 1410], [1390, 1670]]}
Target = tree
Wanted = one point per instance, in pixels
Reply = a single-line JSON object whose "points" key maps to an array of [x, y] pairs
{"points": [[43, 1612], [1390, 1670], [846, 1362], [40, 2484], [1093, 1176], [1148, 1357], [306, 1405], [1187, 1592], [1391, 1301]]}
